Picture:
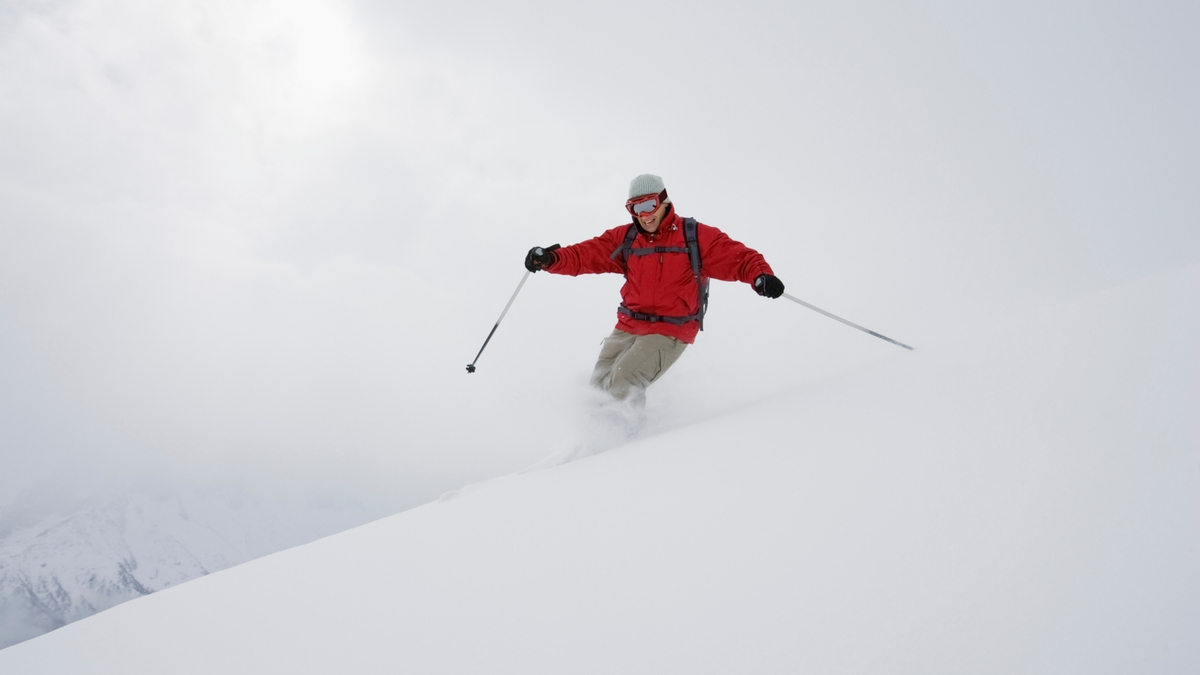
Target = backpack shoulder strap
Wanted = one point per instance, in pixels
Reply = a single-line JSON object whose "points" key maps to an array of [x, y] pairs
{"points": [[627, 245], [693, 244]]}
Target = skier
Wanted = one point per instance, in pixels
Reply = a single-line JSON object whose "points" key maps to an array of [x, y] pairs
{"points": [[667, 261]]}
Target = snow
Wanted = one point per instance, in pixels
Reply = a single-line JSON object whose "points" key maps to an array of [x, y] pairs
{"points": [[1023, 496], [122, 542]]}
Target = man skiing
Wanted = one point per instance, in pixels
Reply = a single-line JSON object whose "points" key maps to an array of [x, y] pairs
{"points": [[667, 261]]}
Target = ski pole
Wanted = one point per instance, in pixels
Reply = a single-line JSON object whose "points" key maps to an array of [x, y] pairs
{"points": [[848, 323], [471, 365]]}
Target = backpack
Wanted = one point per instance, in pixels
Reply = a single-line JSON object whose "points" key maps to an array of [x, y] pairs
{"points": [[693, 250]]}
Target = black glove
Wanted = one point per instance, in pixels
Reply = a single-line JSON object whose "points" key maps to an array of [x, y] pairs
{"points": [[768, 286], [540, 258]]}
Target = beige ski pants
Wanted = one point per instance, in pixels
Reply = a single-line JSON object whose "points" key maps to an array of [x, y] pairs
{"points": [[630, 363]]}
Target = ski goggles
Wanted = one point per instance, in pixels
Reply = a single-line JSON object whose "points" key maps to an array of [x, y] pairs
{"points": [[640, 206]]}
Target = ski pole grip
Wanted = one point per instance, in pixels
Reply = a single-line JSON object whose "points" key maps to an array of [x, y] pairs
{"points": [[539, 251]]}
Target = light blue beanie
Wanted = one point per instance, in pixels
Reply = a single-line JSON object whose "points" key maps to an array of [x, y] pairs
{"points": [[646, 184]]}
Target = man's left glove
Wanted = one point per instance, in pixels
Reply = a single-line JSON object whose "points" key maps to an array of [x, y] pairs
{"points": [[540, 258], [768, 285]]}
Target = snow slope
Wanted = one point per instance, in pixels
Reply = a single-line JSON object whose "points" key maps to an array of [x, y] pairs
{"points": [[123, 542], [1023, 497]]}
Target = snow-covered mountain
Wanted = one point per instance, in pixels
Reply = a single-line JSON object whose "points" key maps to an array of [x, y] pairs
{"points": [[67, 561], [1024, 497]]}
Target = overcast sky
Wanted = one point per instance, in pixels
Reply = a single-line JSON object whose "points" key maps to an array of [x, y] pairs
{"points": [[246, 239]]}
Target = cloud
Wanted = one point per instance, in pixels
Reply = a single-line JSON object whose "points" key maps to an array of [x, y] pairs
{"points": [[263, 238], [226, 241]]}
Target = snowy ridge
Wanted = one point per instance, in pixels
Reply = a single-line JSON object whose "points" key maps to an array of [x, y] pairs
{"points": [[120, 545], [1025, 499]]}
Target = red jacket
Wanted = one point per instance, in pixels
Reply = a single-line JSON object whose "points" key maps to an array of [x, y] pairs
{"points": [[662, 284]]}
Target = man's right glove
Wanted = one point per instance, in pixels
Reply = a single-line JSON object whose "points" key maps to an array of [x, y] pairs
{"points": [[768, 285], [540, 258]]}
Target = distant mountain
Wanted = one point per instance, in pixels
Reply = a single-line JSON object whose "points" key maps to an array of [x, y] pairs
{"points": [[61, 565]]}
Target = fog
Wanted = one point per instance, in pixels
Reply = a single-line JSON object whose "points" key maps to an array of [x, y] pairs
{"points": [[255, 243]]}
